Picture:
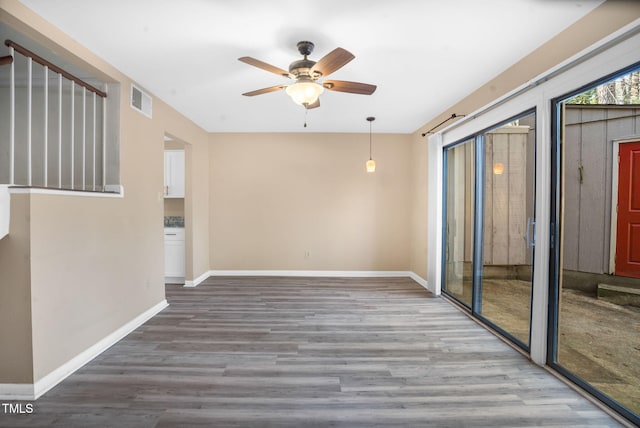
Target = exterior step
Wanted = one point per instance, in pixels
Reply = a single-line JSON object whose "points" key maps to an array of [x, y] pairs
{"points": [[619, 295]]}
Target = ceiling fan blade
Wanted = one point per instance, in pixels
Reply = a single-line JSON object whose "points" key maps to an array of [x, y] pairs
{"points": [[263, 65], [314, 105], [332, 61], [264, 90], [351, 87]]}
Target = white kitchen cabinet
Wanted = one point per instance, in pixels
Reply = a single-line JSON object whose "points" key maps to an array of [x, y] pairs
{"points": [[174, 173], [174, 254]]}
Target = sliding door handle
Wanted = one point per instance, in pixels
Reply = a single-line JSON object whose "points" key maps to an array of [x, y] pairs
{"points": [[530, 234]]}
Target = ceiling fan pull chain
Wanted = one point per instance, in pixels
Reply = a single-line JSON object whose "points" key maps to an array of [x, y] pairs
{"points": [[305, 116]]}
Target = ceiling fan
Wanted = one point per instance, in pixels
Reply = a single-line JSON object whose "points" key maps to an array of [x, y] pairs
{"points": [[308, 76]]}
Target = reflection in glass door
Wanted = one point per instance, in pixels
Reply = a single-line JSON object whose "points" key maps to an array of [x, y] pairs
{"points": [[509, 156], [460, 198], [502, 190], [595, 316]]}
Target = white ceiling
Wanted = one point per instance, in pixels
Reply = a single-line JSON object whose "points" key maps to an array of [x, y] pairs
{"points": [[424, 55]]}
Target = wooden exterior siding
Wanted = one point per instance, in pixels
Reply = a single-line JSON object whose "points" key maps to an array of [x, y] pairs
{"points": [[588, 150], [507, 196]]}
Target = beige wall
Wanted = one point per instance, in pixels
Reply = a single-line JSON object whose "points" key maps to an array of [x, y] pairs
{"points": [[174, 207], [91, 273], [197, 215], [276, 196], [419, 233], [96, 263], [16, 360]]}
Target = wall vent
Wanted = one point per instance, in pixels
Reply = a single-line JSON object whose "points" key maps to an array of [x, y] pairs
{"points": [[141, 101]]}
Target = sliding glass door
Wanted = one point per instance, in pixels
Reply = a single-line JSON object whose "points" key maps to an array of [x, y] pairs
{"points": [[595, 278], [460, 199], [490, 226], [509, 227]]}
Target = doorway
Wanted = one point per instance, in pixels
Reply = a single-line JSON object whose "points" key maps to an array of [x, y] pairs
{"points": [[595, 262], [489, 225], [627, 254], [174, 211]]}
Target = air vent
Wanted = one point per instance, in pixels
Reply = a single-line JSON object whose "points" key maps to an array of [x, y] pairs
{"points": [[141, 101]]}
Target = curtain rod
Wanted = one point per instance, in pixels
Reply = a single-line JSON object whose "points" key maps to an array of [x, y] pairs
{"points": [[26, 52], [453, 116]]}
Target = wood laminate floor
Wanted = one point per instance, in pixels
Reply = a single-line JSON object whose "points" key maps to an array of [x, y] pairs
{"points": [[310, 352]]}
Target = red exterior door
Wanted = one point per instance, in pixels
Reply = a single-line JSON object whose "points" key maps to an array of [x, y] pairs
{"points": [[628, 225]]}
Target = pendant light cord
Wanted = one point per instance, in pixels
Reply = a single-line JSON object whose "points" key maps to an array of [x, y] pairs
{"points": [[370, 140], [370, 119]]}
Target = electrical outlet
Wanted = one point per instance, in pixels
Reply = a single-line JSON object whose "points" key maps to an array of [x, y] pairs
{"points": [[307, 254]]}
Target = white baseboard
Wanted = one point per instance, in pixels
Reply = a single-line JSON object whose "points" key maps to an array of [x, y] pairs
{"points": [[198, 280], [34, 391], [420, 280], [323, 273], [58, 375], [16, 391], [312, 273]]}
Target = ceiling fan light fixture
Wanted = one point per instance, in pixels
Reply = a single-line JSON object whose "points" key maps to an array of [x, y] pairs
{"points": [[305, 92]]}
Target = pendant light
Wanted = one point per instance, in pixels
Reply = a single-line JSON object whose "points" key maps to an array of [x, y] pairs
{"points": [[371, 164]]}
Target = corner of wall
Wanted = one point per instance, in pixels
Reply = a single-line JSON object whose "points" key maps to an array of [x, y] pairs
{"points": [[5, 210], [16, 352]]}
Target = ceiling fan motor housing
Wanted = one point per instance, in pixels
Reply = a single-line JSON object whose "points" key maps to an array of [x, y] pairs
{"points": [[305, 47], [301, 67]]}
